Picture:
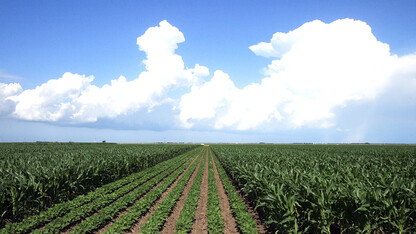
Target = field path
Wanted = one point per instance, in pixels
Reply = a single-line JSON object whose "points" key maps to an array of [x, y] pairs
{"points": [[170, 225], [227, 214], [120, 214], [137, 227], [200, 225]]}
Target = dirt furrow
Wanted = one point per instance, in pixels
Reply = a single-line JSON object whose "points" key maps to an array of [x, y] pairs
{"points": [[261, 228], [201, 223], [170, 224], [136, 228], [110, 223], [226, 213]]}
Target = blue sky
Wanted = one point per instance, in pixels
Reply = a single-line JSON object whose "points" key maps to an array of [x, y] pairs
{"points": [[211, 71]]}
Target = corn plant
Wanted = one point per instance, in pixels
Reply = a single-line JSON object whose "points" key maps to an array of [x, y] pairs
{"points": [[327, 188], [33, 176]]}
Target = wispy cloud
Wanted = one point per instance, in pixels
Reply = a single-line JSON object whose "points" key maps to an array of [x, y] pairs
{"points": [[9, 77]]}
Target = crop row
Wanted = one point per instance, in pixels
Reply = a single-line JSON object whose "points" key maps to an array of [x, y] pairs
{"points": [[64, 214], [125, 222], [124, 202], [161, 213], [187, 214], [35, 175], [215, 222], [327, 188], [109, 212], [245, 222]]}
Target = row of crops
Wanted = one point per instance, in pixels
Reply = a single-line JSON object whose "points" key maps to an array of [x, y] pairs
{"points": [[187, 217], [117, 207], [108, 199], [295, 188], [35, 175], [327, 188]]}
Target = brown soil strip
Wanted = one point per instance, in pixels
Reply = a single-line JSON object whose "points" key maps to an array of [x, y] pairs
{"points": [[170, 224], [69, 228], [259, 224], [121, 213], [261, 228], [226, 213], [201, 223], [137, 227]]}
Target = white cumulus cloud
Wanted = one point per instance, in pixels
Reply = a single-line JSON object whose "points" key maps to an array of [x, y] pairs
{"points": [[316, 68], [74, 98], [164, 70], [52, 100], [231, 107], [314, 71], [203, 101], [6, 91]]}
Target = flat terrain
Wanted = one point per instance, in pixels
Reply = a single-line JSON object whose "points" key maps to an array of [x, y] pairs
{"points": [[183, 194], [214, 189]]}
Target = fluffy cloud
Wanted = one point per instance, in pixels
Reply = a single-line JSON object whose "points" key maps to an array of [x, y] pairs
{"points": [[404, 80], [317, 67], [52, 100], [220, 99], [203, 101], [315, 70], [6, 91], [73, 98]]}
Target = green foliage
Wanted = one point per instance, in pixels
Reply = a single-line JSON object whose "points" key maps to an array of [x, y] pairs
{"points": [[63, 214], [76, 215], [245, 221], [327, 188], [187, 215], [215, 222], [125, 222], [35, 175], [98, 220], [161, 213]]}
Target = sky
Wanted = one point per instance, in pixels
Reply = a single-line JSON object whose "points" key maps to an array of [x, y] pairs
{"points": [[208, 71]]}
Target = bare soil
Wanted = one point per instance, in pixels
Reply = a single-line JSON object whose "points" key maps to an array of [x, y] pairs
{"points": [[121, 213], [261, 228], [226, 213], [137, 227], [170, 224], [201, 223]]}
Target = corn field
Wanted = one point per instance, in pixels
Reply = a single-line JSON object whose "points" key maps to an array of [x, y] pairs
{"points": [[187, 193], [327, 188], [35, 175], [158, 188]]}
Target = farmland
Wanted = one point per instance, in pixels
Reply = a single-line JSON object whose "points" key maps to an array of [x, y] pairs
{"points": [[180, 194], [35, 175], [210, 189], [327, 188]]}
